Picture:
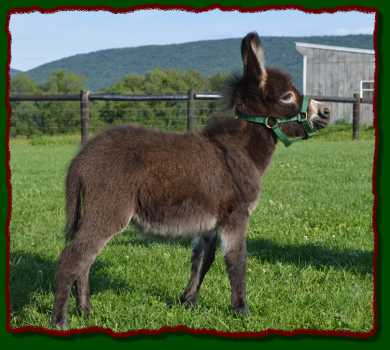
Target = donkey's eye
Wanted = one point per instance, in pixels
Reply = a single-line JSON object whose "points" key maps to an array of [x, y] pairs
{"points": [[287, 98]]}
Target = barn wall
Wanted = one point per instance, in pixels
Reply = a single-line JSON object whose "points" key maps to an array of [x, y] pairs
{"points": [[338, 73]]}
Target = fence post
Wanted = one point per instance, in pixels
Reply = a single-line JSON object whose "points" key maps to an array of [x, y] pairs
{"points": [[356, 117], [190, 111], [84, 115]]}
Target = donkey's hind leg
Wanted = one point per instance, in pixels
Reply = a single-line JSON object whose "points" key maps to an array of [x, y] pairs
{"points": [[203, 255], [77, 258], [83, 293]]}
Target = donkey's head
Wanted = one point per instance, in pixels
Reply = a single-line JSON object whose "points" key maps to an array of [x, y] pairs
{"points": [[271, 93]]}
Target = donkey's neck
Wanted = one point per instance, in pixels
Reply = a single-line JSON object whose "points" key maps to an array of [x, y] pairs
{"points": [[261, 144], [257, 142]]}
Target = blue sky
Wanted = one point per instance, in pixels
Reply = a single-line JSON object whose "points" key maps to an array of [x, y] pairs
{"points": [[39, 38]]}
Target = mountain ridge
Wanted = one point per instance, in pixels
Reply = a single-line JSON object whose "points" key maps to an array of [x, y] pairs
{"points": [[103, 68], [14, 71]]}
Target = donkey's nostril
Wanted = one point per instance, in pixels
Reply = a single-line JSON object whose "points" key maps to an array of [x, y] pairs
{"points": [[324, 112]]}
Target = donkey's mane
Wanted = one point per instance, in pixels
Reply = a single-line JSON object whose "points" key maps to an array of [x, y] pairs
{"points": [[225, 122], [237, 86], [221, 125]]}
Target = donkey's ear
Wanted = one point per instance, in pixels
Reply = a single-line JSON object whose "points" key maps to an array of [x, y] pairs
{"points": [[253, 58]]}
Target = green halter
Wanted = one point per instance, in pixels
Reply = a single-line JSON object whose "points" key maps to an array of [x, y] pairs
{"points": [[275, 123]]}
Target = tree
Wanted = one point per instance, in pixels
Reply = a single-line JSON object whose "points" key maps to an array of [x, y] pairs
{"points": [[22, 84], [165, 115], [24, 114], [29, 118], [64, 82], [217, 84], [61, 117]]}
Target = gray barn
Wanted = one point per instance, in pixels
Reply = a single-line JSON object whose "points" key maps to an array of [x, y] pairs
{"points": [[339, 71]]}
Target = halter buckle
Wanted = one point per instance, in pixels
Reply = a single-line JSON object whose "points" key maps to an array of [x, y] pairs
{"points": [[303, 116], [271, 125]]}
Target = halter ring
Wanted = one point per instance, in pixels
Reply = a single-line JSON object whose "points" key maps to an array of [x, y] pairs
{"points": [[268, 125], [303, 116]]}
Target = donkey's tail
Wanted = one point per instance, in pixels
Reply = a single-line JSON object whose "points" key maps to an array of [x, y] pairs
{"points": [[73, 203]]}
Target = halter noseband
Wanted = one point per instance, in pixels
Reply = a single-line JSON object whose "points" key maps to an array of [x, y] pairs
{"points": [[275, 123]]}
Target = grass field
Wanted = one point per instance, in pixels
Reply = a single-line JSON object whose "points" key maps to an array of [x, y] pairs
{"points": [[310, 248]]}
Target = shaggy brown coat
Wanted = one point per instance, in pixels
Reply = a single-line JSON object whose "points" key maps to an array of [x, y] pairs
{"points": [[192, 185]]}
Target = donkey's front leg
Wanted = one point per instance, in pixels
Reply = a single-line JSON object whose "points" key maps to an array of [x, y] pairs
{"points": [[203, 254], [234, 249]]}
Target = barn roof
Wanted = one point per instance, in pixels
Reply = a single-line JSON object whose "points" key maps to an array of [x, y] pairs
{"points": [[334, 48]]}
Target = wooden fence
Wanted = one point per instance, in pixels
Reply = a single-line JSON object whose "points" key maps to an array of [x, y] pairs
{"points": [[85, 98]]}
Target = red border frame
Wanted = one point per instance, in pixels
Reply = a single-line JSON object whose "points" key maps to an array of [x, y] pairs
{"points": [[180, 328]]}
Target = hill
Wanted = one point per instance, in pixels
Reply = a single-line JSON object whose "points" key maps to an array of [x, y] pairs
{"points": [[14, 71], [103, 68]]}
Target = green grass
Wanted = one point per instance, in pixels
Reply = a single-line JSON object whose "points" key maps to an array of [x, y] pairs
{"points": [[310, 248]]}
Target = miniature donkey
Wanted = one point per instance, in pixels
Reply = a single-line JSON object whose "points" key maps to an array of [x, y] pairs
{"points": [[194, 185]]}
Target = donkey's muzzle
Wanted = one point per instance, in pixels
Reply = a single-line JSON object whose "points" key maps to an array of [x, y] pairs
{"points": [[320, 114], [324, 112]]}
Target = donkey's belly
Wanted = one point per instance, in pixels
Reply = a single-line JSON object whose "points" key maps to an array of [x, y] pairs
{"points": [[176, 225]]}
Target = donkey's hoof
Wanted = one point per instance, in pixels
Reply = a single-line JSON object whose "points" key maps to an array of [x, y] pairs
{"points": [[84, 311], [188, 301], [60, 324], [241, 310]]}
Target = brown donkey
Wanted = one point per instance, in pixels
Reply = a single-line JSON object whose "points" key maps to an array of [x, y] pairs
{"points": [[194, 185]]}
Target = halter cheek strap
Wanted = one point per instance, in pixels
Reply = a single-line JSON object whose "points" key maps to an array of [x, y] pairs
{"points": [[275, 123]]}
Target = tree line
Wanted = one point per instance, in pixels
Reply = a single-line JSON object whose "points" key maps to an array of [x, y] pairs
{"points": [[58, 117]]}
